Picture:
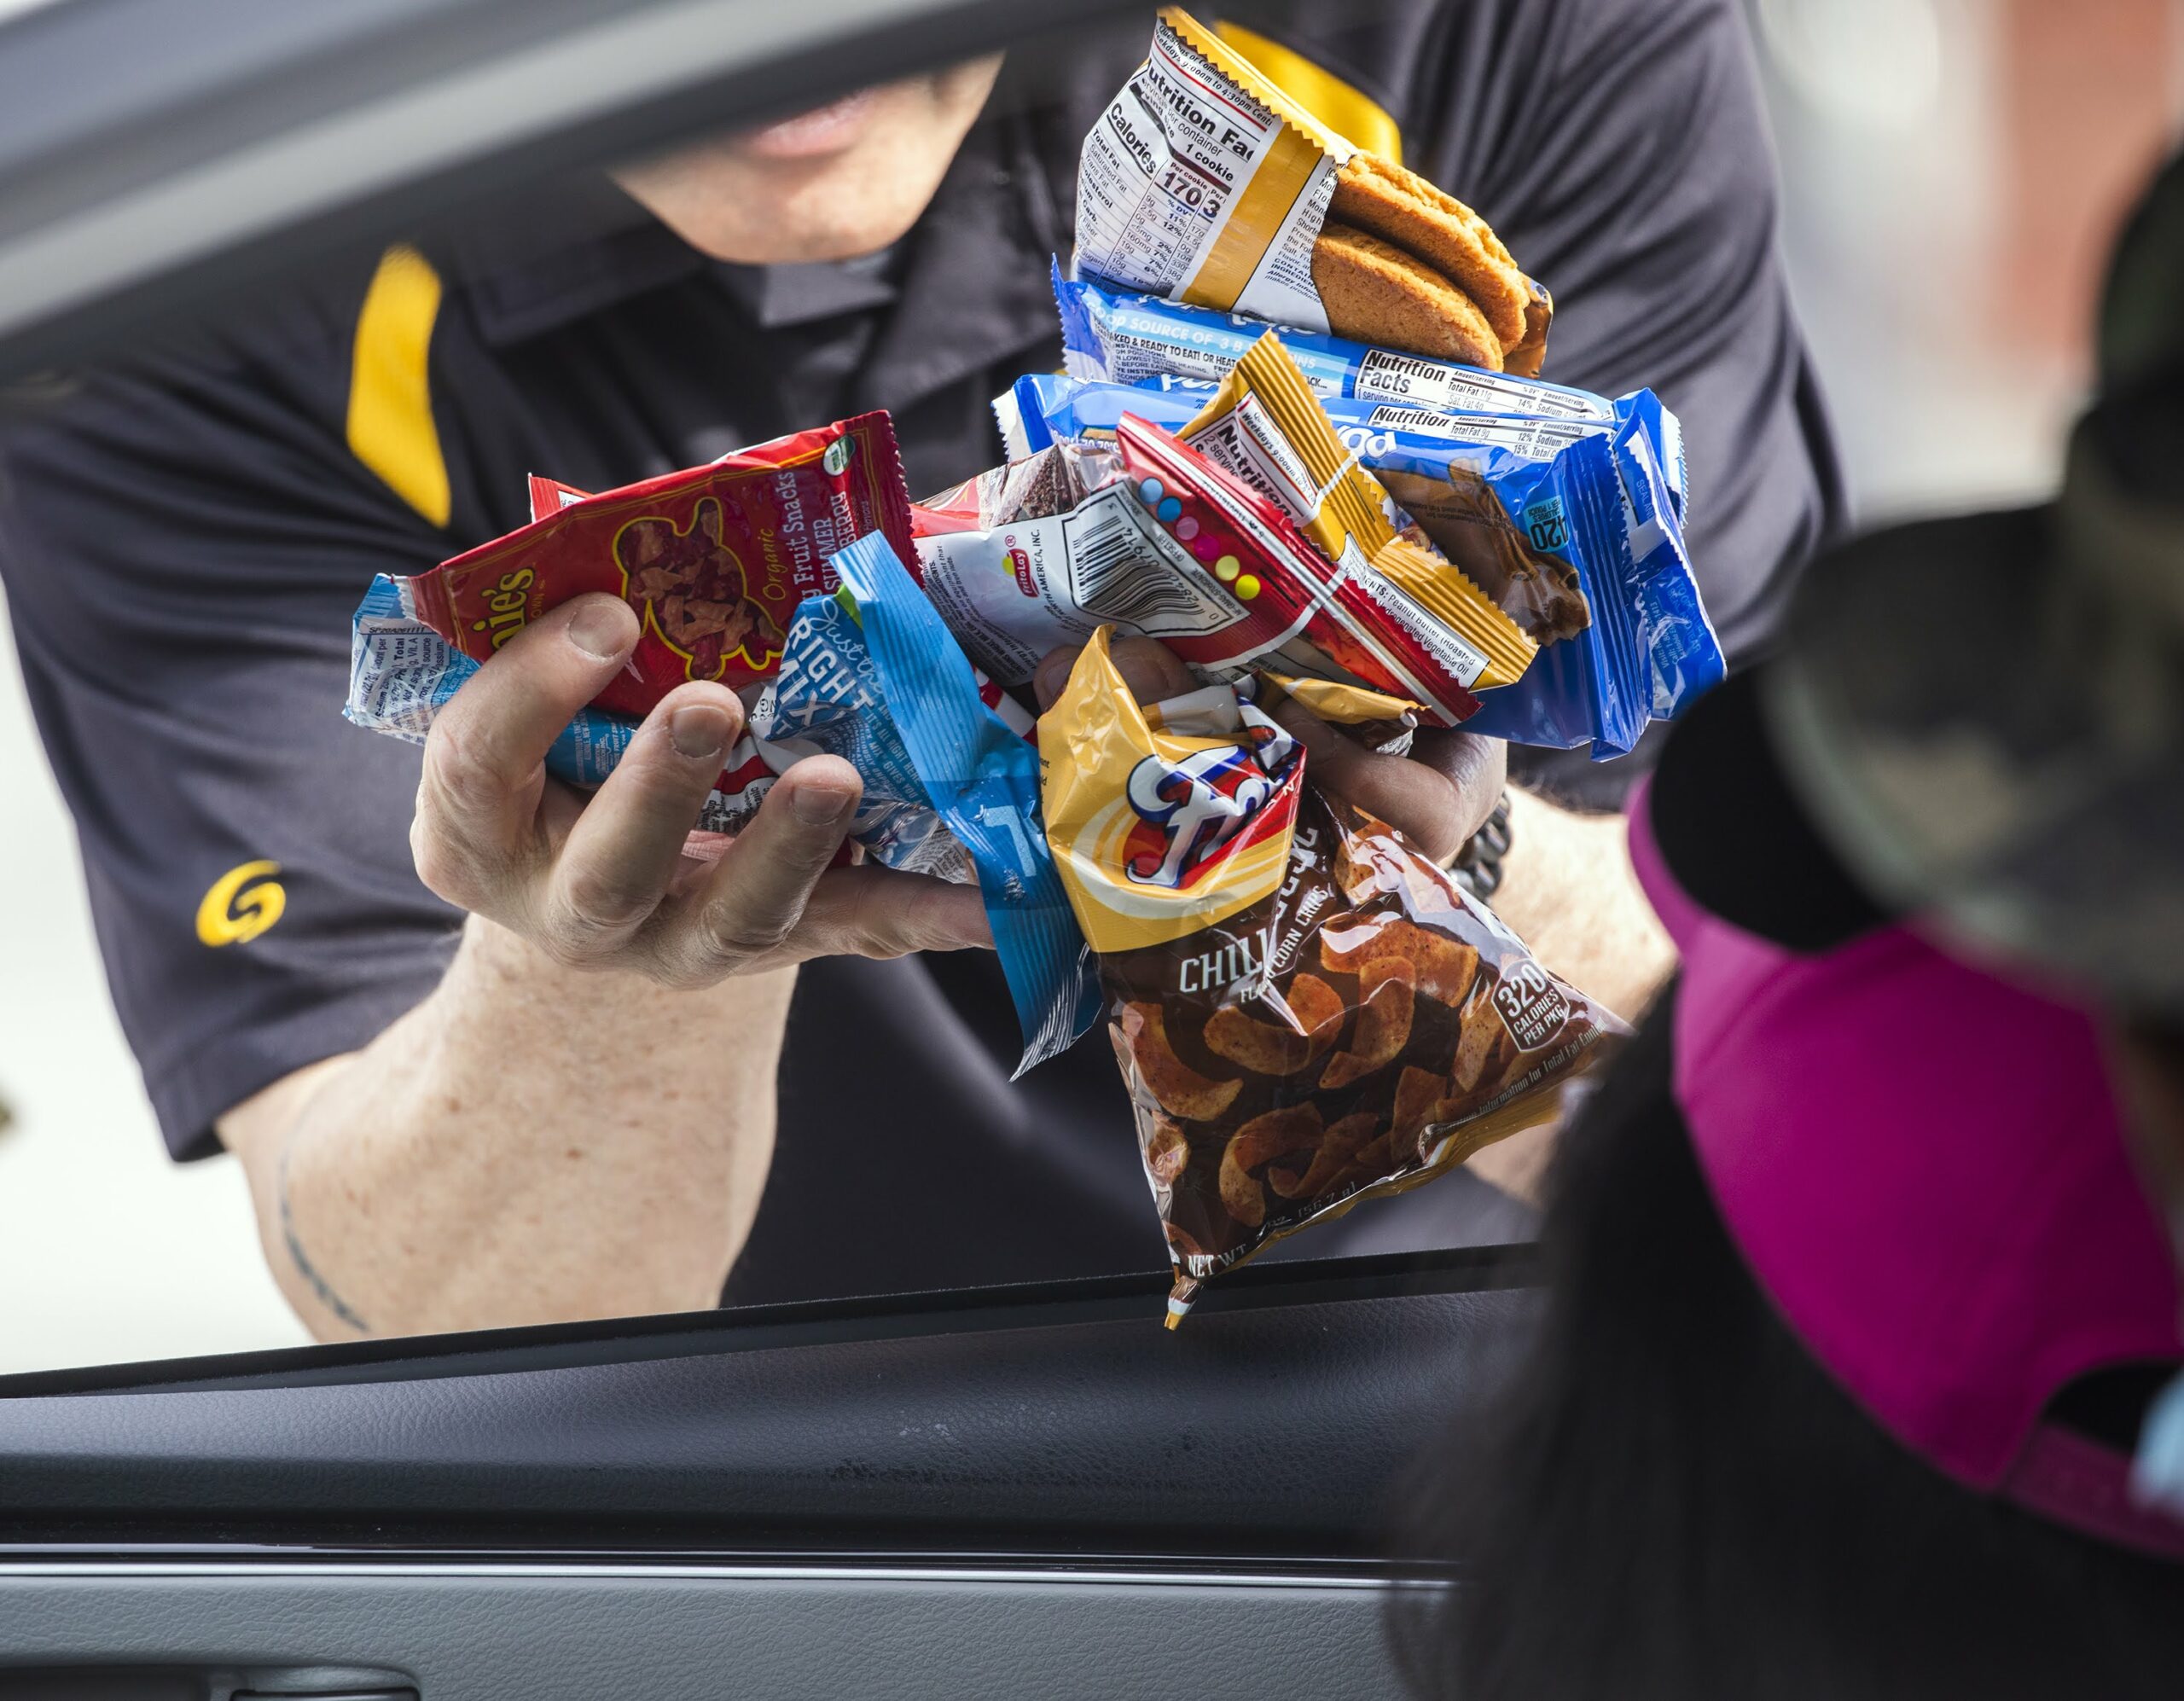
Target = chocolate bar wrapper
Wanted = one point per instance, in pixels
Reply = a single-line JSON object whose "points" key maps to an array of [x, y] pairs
{"points": [[714, 559], [1308, 1013]]}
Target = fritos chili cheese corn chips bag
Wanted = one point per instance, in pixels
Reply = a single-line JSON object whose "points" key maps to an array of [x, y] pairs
{"points": [[714, 559], [1306, 1011]]}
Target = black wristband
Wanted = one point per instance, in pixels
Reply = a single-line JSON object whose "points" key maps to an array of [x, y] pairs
{"points": [[1478, 865]]}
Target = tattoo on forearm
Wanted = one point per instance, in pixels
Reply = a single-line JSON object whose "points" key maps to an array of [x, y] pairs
{"points": [[319, 1284]]}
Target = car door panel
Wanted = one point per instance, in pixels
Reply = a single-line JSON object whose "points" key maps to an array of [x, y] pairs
{"points": [[1270, 1423], [474, 1634], [1030, 1492]]}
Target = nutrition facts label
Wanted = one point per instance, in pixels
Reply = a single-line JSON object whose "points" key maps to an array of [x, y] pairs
{"points": [[1534, 439], [1382, 376], [1168, 167]]}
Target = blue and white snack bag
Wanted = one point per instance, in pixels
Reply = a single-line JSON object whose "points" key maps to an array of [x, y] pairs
{"points": [[826, 700], [1122, 339], [982, 779], [1044, 408]]}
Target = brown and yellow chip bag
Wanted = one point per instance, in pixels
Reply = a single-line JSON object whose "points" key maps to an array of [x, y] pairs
{"points": [[1307, 1011]]}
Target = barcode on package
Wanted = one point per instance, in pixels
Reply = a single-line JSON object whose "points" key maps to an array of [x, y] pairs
{"points": [[1116, 572]]}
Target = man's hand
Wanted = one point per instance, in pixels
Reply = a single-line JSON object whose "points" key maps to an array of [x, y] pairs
{"points": [[603, 883], [1437, 797], [544, 1137]]}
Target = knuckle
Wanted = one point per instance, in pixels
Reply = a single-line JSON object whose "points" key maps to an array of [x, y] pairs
{"points": [[457, 773], [565, 948], [738, 936], [596, 905], [885, 922], [682, 970], [444, 872]]}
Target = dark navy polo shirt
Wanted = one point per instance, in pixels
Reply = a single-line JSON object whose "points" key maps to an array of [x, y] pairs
{"points": [[184, 531]]}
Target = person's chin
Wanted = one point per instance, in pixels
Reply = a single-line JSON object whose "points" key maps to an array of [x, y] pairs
{"points": [[824, 210], [821, 134]]}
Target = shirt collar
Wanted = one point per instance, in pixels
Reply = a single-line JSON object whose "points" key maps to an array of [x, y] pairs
{"points": [[973, 283], [536, 261], [778, 297]]}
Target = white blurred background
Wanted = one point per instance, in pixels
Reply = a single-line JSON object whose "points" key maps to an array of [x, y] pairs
{"points": [[1954, 171]]}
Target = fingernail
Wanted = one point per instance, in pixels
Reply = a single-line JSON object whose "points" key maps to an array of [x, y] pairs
{"points": [[601, 630], [819, 806], [698, 729]]}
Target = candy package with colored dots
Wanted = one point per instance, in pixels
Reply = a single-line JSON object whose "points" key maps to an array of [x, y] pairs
{"points": [[1168, 509]]}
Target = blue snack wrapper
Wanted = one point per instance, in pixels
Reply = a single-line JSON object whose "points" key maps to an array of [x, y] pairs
{"points": [[826, 698], [1043, 408], [1122, 339], [982, 779], [402, 674], [1594, 497], [1602, 507]]}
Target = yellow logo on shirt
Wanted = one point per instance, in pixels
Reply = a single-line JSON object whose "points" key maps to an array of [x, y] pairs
{"points": [[242, 904]]}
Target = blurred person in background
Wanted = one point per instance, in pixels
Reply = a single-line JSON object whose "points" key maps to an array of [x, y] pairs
{"points": [[544, 1080], [1860, 1369]]}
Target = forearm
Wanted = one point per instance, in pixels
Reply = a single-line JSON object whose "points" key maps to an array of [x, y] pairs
{"points": [[1569, 891], [531, 1142]]}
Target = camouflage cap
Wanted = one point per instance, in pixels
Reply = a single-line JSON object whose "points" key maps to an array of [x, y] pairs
{"points": [[1984, 715]]}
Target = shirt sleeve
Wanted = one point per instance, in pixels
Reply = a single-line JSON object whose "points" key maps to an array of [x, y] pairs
{"points": [[1620, 148], [183, 544]]}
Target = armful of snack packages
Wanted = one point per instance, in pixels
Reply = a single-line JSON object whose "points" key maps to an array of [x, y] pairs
{"points": [[1307, 1011]]}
